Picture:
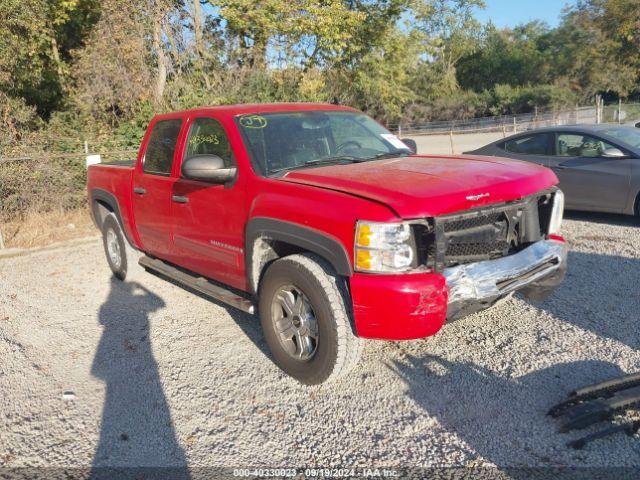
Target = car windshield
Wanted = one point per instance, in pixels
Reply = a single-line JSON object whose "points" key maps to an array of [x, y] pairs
{"points": [[287, 141], [630, 136]]}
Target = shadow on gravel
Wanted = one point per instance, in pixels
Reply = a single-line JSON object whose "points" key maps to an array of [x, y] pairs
{"points": [[137, 433], [607, 218], [501, 419], [600, 293], [249, 324]]}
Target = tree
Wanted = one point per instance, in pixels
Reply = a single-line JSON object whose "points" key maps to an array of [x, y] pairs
{"points": [[510, 57], [307, 30], [379, 82], [449, 31], [586, 57], [113, 72]]}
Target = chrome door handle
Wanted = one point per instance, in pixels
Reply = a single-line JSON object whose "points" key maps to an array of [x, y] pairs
{"points": [[139, 190], [179, 199]]}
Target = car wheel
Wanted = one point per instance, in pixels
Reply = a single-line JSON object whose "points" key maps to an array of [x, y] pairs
{"points": [[122, 258], [306, 321]]}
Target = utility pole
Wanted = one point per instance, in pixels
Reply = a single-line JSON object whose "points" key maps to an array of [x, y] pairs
{"points": [[619, 110]]}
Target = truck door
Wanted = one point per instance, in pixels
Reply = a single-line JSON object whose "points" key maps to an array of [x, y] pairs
{"points": [[208, 219], [152, 186], [588, 179]]}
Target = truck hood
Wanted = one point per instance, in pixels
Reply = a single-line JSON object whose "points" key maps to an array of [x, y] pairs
{"points": [[425, 186]]}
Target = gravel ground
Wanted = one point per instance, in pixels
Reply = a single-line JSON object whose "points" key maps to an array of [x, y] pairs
{"points": [[97, 372]]}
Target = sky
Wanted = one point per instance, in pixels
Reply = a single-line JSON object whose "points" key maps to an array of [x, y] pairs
{"points": [[509, 13]]}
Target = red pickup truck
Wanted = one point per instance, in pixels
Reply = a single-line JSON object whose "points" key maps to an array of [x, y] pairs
{"points": [[328, 224]]}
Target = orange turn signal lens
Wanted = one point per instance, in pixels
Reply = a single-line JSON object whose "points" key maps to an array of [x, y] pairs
{"points": [[363, 259], [364, 236]]}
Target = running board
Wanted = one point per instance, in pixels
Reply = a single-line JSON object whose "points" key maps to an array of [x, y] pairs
{"points": [[199, 284]]}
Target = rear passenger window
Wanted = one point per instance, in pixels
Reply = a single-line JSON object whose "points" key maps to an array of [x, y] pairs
{"points": [[538, 144], [207, 137], [161, 147]]}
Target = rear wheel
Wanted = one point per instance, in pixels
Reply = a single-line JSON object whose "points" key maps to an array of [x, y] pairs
{"points": [[306, 321], [122, 258]]}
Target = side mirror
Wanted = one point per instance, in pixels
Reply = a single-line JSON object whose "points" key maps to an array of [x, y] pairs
{"points": [[613, 153], [411, 144], [207, 168]]}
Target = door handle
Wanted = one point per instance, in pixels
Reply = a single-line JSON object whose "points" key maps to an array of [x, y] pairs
{"points": [[139, 190], [179, 199]]}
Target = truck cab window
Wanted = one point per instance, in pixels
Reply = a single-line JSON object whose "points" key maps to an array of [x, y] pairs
{"points": [[158, 158], [207, 137]]}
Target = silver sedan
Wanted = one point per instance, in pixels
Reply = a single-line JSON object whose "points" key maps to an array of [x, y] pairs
{"points": [[598, 165]]}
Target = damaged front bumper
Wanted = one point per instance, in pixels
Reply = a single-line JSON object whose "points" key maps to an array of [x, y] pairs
{"points": [[535, 271]]}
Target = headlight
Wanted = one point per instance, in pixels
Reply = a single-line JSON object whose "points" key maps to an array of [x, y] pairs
{"points": [[383, 247], [557, 211]]}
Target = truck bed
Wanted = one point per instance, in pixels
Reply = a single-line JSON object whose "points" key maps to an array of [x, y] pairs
{"points": [[114, 179]]}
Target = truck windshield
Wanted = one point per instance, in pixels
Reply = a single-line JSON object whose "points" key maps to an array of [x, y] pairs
{"points": [[287, 141]]}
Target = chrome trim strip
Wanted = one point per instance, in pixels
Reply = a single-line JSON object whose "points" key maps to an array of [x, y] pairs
{"points": [[475, 282]]}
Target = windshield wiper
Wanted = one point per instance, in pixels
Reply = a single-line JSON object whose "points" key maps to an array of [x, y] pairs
{"points": [[382, 155], [320, 161], [338, 158]]}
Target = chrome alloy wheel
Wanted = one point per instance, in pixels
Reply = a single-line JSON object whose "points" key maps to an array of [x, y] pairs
{"points": [[295, 322], [113, 248]]}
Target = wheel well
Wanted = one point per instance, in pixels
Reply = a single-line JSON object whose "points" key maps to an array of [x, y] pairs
{"points": [[268, 239], [265, 252], [100, 211], [636, 209]]}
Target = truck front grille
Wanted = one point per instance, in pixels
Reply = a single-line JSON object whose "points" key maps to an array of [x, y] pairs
{"points": [[483, 234]]}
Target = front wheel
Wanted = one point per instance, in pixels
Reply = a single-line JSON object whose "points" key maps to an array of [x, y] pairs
{"points": [[305, 319]]}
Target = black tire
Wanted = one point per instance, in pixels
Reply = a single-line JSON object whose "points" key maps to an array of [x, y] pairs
{"points": [[126, 268], [338, 349]]}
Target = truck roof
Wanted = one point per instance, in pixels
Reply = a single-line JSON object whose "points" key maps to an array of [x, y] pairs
{"points": [[249, 108]]}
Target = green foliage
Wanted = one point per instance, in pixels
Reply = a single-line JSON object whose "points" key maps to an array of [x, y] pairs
{"points": [[448, 31], [307, 29], [380, 83], [36, 39], [512, 57], [464, 105], [98, 70], [588, 57], [507, 99], [128, 134]]}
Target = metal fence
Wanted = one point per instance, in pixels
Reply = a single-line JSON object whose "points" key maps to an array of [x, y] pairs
{"points": [[508, 124]]}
